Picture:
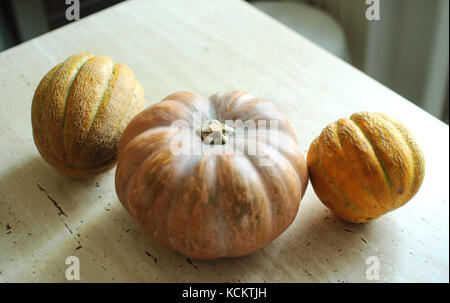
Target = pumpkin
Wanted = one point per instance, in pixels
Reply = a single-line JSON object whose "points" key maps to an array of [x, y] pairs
{"points": [[226, 201], [79, 111], [365, 166]]}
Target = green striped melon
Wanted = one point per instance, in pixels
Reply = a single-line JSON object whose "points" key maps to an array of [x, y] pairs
{"points": [[79, 111]]}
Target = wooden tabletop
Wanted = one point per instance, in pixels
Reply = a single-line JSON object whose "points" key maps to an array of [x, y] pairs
{"points": [[208, 46]]}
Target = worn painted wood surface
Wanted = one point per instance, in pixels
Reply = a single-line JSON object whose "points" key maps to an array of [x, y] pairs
{"points": [[207, 46]]}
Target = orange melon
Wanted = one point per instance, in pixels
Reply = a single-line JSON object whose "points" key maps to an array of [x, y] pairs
{"points": [[365, 166]]}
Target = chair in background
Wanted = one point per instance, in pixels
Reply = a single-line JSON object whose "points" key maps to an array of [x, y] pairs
{"points": [[311, 22]]}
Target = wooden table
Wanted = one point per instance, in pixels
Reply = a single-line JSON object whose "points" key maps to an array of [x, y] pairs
{"points": [[207, 46]]}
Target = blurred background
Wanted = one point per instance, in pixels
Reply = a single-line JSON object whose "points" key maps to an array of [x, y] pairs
{"points": [[407, 49]]}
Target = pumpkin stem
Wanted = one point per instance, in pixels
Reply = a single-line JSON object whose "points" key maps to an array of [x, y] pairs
{"points": [[215, 132]]}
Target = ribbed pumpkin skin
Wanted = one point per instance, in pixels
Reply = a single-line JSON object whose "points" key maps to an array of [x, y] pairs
{"points": [[365, 166], [80, 109], [209, 206]]}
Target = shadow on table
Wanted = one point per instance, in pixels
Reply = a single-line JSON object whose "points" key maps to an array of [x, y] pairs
{"points": [[39, 212], [317, 247], [34, 182]]}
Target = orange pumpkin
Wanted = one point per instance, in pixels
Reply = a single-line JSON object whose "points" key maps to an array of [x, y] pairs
{"points": [[365, 166], [80, 110], [218, 203]]}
